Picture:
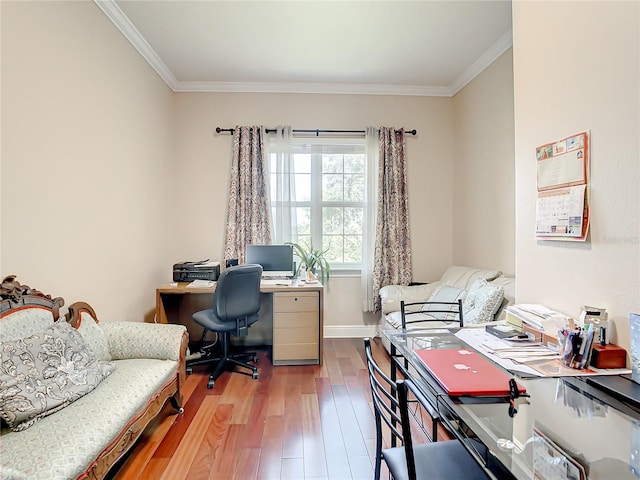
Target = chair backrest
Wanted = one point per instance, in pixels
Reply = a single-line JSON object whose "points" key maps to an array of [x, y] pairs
{"points": [[406, 414], [237, 292], [385, 403], [448, 312]]}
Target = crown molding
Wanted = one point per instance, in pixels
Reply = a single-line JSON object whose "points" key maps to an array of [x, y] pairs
{"points": [[329, 88], [111, 9], [487, 58]]}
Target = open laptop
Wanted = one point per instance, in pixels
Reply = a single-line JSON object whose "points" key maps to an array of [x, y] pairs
{"points": [[464, 372]]}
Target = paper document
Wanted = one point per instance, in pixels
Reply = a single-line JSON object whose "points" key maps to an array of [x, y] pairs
{"points": [[201, 284]]}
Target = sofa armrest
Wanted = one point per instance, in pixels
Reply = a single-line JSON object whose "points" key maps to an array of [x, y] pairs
{"points": [[391, 295], [144, 340]]}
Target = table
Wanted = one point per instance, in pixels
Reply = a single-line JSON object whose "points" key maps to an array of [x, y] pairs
{"points": [[291, 317], [565, 423]]}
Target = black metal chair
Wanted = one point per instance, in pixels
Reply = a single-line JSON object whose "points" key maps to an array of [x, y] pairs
{"points": [[444, 460], [236, 302], [447, 312]]}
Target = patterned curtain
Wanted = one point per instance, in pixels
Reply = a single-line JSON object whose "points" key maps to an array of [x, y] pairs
{"points": [[248, 211], [393, 247]]}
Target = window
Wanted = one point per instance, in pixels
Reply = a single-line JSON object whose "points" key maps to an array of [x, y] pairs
{"points": [[328, 198]]}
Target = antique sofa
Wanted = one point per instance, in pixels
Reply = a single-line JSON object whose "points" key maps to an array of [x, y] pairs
{"points": [[485, 294], [74, 394]]}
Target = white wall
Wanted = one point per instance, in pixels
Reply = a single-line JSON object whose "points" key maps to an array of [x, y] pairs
{"points": [[87, 139], [576, 68], [484, 189]]}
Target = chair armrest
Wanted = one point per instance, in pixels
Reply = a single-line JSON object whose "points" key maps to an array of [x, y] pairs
{"points": [[144, 340], [391, 295]]}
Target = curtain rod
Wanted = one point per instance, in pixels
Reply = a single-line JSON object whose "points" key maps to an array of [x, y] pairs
{"points": [[316, 131]]}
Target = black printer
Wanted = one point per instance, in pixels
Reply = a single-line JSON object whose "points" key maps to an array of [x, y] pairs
{"points": [[190, 271]]}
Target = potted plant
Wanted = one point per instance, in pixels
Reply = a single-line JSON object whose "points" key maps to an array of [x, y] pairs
{"points": [[312, 260]]}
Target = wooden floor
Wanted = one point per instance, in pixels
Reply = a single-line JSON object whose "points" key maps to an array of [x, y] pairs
{"points": [[295, 422]]}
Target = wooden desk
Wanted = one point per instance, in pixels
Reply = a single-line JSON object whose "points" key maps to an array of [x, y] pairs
{"points": [[297, 312]]}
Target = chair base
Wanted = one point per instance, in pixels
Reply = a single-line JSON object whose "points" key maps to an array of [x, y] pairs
{"points": [[225, 362]]}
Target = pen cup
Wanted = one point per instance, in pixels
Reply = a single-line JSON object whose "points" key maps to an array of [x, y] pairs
{"points": [[576, 348]]}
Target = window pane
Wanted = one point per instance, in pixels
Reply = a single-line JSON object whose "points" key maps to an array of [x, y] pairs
{"points": [[334, 244], [302, 187], [332, 220], [302, 162], [354, 163], [303, 221], [352, 220], [354, 187], [332, 163], [332, 188], [353, 249]]}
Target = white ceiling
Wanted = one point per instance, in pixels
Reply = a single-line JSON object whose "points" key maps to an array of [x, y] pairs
{"points": [[356, 46]]}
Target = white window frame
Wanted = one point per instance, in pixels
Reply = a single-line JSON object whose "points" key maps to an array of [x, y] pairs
{"points": [[316, 203]]}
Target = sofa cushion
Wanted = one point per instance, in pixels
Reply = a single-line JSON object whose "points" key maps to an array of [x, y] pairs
{"points": [[444, 293], [94, 336], [464, 277], [62, 446], [482, 302], [45, 372]]}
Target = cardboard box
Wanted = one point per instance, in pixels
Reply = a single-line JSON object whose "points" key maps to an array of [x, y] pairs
{"points": [[548, 339]]}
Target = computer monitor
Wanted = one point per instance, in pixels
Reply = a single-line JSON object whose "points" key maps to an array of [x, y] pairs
{"points": [[276, 260]]}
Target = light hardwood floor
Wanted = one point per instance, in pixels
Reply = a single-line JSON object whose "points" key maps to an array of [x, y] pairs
{"points": [[295, 422]]}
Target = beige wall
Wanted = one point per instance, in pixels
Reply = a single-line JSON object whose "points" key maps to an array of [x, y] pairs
{"points": [[581, 74], [484, 190], [203, 159], [87, 139]]}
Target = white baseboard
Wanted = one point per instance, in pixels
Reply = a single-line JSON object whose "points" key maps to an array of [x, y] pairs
{"points": [[350, 331]]}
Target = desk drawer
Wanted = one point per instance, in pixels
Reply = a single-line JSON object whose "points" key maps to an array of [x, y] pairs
{"points": [[296, 352], [287, 336], [306, 320], [295, 302]]}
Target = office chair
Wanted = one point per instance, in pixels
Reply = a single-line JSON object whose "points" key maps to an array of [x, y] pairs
{"points": [[444, 460], [236, 302]]}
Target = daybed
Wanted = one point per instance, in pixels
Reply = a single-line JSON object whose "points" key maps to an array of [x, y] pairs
{"points": [[74, 394], [484, 294]]}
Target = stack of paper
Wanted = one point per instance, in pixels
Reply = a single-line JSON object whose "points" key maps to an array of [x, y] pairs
{"points": [[539, 316]]}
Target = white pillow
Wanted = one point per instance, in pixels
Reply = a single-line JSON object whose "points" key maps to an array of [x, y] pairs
{"points": [[445, 293], [482, 302]]}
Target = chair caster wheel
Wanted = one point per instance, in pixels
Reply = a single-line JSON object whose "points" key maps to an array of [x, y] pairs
{"points": [[255, 375], [180, 411], [255, 358], [189, 370], [210, 384]]}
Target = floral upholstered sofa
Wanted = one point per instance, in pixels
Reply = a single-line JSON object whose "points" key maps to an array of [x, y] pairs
{"points": [[484, 294], [74, 394]]}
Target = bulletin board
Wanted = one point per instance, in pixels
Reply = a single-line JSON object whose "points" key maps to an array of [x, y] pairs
{"points": [[562, 206]]}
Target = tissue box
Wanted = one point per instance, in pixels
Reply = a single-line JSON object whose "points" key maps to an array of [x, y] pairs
{"points": [[608, 356]]}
